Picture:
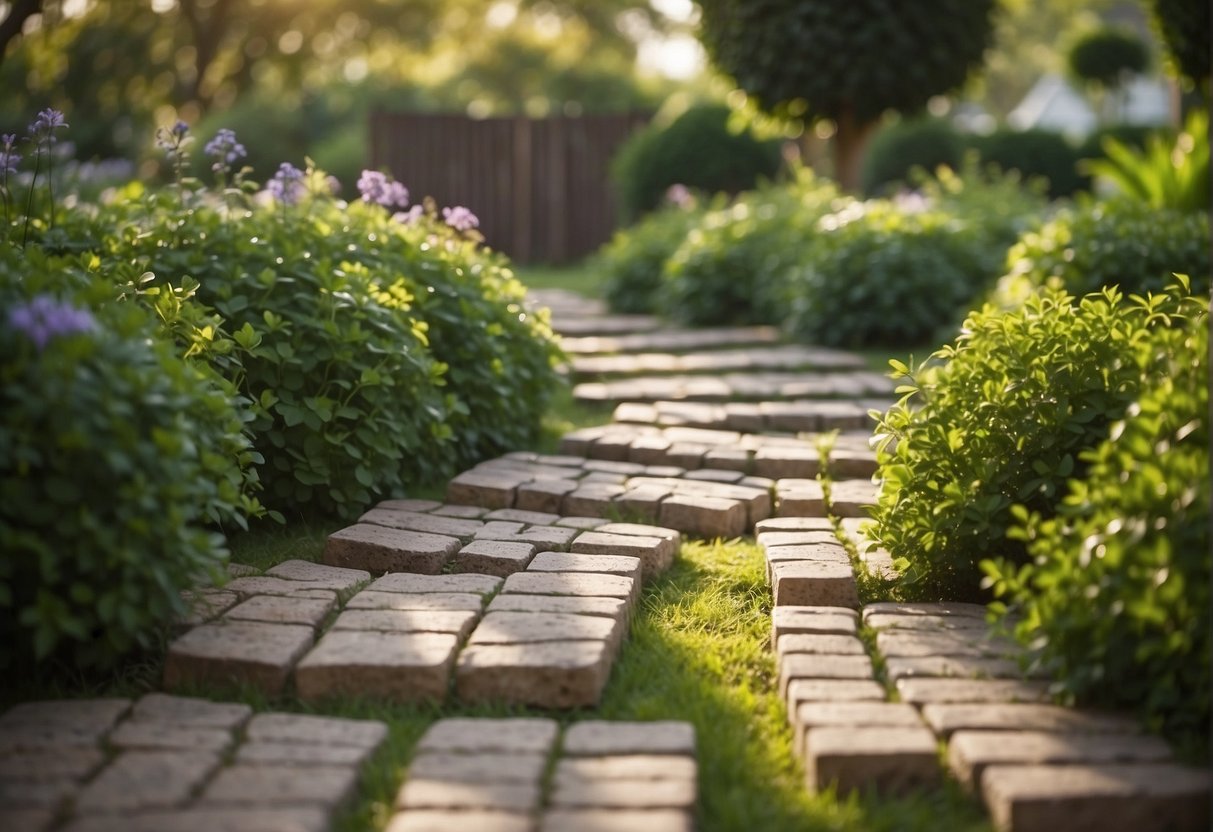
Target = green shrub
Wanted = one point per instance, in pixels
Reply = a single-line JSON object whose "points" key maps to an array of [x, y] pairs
{"points": [[116, 458], [898, 149], [1121, 243], [1115, 600], [880, 274], [1134, 136], [1001, 205], [1001, 420], [732, 267], [697, 150], [1034, 152], [632, 262], [1164, 173], [1106, 56]]}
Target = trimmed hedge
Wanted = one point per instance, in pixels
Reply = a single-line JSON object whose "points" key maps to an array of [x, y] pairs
{"points": [[897, 150]]}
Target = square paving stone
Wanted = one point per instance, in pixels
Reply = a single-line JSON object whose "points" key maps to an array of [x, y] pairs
{"points": [[301, 754], [578, 605], [626, 767], [333, 577], [522, 735], [460, 820], [626, 794], [380, 549], [462, 528], [628, 567], [203, 605], [532, 627], [495, 490], [708, 517], [554, 674], [500, 767], [890, 760], [280, 609], [456, 622], [799, 498], [1107, 798], [616, 820], [545, 495], [52, 724], [137, 780], [410, 583], [810, 715], [494, 557], [316, 730], [201, 819], [237, 652], [400, 667], [450, 601], [599, 738], [963, 667], [971, 752], [944, 718], [448, 794], [819, 643], [850, 498], [787, 620], [802, 666], [922, 691], [641, 503], [780, 463], [814, 583], [259, 784]]}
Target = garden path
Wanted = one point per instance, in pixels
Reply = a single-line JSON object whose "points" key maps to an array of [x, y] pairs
{"points": [[519, 589]]}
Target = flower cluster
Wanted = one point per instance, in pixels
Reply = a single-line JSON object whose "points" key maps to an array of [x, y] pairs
{"points": [[287, 184], [410, 216], [225, 151], [44, 126], [460, 218], [45, 318], [380, 189], [173, 139], [680, 196], [8, 159]]}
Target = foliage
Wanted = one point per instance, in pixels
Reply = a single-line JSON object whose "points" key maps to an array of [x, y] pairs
{"points": [[1002, 205], [116, 456], [1120, 243], [1033, 152], [697, 150], [1000, 420], [896, 150], [731, 268], [632, 262], [1185, 26], [1105, 56], [878, 273], [1133, 136], [1115, 600], [1162, 174]]}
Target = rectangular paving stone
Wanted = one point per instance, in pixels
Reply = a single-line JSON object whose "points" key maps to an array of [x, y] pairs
{"points": [[301, 754], [26, 820], [832, 690], [708, 517], [544, 495], [810, 715], [814, 583], [850, 498], [671, 541], [380, 549], [571, 583], [451, 601], [316, 730], [202, 819], [950, 608], [418, 794], [521, 735], [805, 666], [460, 512], [332, 577], [790, 619], [890, 760], [945, 718], [819, 643], [821, 537], [420, 506], [944, 643], [963, 667], [729, 459], [499, 767], [554, 674], [895, 621], [655, 552], [549, 538], [798, 497], [578, 605], [204, 605], [971, 752], [462, 528], [48, 794], [159, 735], [263, 784], [592, 499], [63, 723], [136, 780], [66, 763], [401, 667], [586, 523], [237, 652], [616, 820], [190, 711], [409, 583], [531, 518], [600, 738], [278, 609], [642, 503], [457, 820], [714, 474], [628, 567], [794, 524], [780, 463], [494, 490], [494, 557], [533, 627], [923, 691], [1108, 798], [267, 585], [626, 794], [626, 767], [456, 622]]}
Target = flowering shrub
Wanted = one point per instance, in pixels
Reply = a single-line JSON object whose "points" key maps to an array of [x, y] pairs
{"points": [[633, 261], [116, 458]]}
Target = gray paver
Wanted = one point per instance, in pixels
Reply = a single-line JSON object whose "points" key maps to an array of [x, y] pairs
{"points": [[457, 622], [302, 754], [819, 643], [380, 549], [137, 780], [188, 711], [520, 735], [237, 652], [628, 767], [50, 764], [596, 738], [554, 674], [492, 490], [202, 819], [279, 609], [965, 667], [409, 583], [944, 718], [579, 605], [372, 600], [446, 794], [261, 784], [462, 528], [401, 667], [891, 760], [814, 583], [626, 794], [482, 767], [786, 620], [494, 557], [616, 820], [971, 752], [153, 735], [802, 666], [31, 726], [704, 516], [629, 567], [317, 730], [534, 627], [921, 691], [460, 820], [333, 577]]}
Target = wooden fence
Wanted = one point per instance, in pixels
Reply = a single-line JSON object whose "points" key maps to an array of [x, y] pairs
{"points": [[539, 186]]}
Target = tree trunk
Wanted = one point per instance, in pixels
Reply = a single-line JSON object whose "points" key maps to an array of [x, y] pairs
{"points": [[10, 27], [850, 143]]}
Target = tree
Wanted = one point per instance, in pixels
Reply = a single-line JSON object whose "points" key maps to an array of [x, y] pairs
{"points": [[1106, 58], [1184, 25], [846, 60]]}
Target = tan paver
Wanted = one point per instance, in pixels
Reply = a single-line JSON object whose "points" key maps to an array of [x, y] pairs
{"points": [[56, 724], [626, 794], [790, 619], [457, 622], [464, 528], [890, 760], [545, 495], [597, 738], [802, 666], [964, 667], [137, 780], [971, 752], [571, 583], [494, 557], [794, 524], [316, 730], [811, 715], [832, 690], [203, 605], [380, 549], [70, 763], [409, 583], [451, 601], [244, 819], [628, 767], [819, 643], [944, 643], [616, 820], [814, 583], [302, 754], [278, 609], [460, 820], [478, 489], [534, 627], [482, 767], [447, 794], [704, 516], [262, 784], [578, 605], [556, 674], [333, 577], [520, 735], [945, 718], [236, 652], [400, 667], [628, 567], [160, 735], [922, 691]]}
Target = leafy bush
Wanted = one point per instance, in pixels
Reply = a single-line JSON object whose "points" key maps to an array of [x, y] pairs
{"points": [[1001, 420], [633, 261], [1034, 152], [116, 456], [1001, 205], [697, 150], [1133, 136], [1162, 174], [1105, 56], [732, 267], [1115, 600], [880, 274], [1121, 243], [923, 143]]}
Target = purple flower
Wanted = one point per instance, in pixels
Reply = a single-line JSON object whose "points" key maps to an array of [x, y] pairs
{"points": [[180, 128], [45, 124], [460, 218], [8, 162], [679, 195], [333, 184], [287, 184], [410, 216], [379, 189], [225, 150], [45, 318]]}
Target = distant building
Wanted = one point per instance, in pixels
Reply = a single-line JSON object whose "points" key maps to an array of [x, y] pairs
{"points": [[1054, 104]]}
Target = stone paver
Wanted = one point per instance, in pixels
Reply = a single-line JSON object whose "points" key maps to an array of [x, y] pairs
{"points": [[803, 666], [756, 386], [420, 584], [204, 819], [616, 820], [862, 714], [597, 738], [818, 643], [266, 785], [922, 691], [380, 549], [628, 567], [138, 780], [535, 627], [494, 557], [783, 357], [522, 735], [814, 583], [457, 820], [404, 667], [821, 620], [672, 340], [889, 759], [278, 609], [945, 718], [57, 724], [236, 652], [553, 674], [971, 752], [457, 622]]}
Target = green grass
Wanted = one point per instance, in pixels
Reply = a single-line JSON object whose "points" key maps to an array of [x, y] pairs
{"points": [[576, 277]]}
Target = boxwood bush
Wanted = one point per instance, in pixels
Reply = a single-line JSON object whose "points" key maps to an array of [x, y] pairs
{"points": [[899, 148], [631, 264], [119, 460], [1034, 152], [1120, 243], [1000, 419], [1115, 599]]}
